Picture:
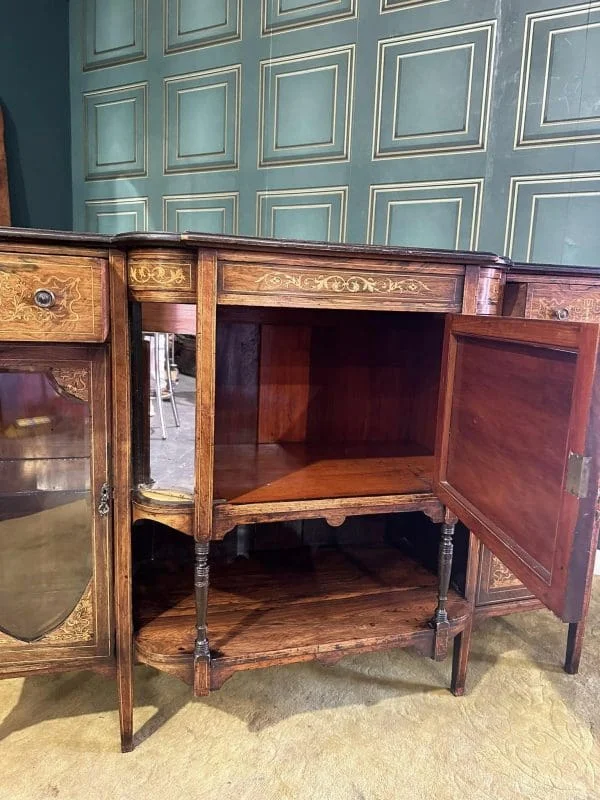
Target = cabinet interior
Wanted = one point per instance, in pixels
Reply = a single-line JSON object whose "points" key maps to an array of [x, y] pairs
{"points": [[316, 403]]}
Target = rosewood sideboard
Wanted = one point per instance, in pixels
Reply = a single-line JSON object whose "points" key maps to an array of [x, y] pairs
{"points": [[332, 382]]}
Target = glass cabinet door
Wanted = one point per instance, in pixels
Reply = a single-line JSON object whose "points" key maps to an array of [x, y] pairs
{"points": [[54, 506]]}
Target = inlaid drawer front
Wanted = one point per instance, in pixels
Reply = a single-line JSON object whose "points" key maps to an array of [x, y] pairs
{"points": [[575, 302], [53, 298], [157, 274], [345, 287]]}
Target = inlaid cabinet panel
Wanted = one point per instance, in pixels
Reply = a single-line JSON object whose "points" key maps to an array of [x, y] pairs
{"points": [[55, 575]]}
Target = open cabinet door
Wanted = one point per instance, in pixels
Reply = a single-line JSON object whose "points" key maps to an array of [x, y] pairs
{"points": [[517, 448]]}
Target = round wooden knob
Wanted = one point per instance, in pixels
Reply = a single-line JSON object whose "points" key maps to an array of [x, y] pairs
{"points": [[44, 298], [562, 313]]}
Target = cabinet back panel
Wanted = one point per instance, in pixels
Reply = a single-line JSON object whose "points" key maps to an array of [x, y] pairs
{"points": [[236, 401], [327, 377]]}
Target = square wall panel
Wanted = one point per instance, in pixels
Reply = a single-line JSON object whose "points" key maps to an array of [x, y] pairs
{"points": [[199, 23], [433, 92], [114, 32], [306, 107], [560, 80], [282, 15], [431, 214], [115, 132], [110, 217], [201, 120], [396, 5], [206, 213], [553, 219], [311, 214]]}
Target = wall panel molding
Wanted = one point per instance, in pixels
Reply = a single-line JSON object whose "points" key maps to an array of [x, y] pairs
{"points": [[306, 107], [202, 113], [560, 78], [317, 214], [209, 213], [433, 92], [189, 24], [114, 32], [112, 216], [115, 124], [554, 218], [444, 214], [284, 15]]}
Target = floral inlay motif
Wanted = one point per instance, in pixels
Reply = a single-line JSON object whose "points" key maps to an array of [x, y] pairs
{"points": [[74, 380], [333, 282], [18, 304], [501, 576], [581, 309], [161, 274]]}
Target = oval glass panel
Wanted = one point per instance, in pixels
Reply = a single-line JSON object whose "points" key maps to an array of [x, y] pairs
{"points": [[46, 559]]}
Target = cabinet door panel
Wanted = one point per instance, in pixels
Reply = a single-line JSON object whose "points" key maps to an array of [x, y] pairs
{"points": [[54, 546], [515, 404]]}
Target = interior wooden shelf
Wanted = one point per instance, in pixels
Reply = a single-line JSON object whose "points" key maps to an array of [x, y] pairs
{"points": [[283, 606], [269, 473]]}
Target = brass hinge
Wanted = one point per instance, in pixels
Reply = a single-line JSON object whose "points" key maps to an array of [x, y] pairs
{"points": [[105, 497], [578, 475]]}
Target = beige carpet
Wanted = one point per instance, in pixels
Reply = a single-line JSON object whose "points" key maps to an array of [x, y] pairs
{"points": [[376, 726]]}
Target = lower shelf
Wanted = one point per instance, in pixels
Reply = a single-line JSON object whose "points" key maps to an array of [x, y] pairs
{"points": [[286, 606]]}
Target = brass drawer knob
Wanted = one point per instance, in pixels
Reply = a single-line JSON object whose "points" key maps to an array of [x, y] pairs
{"points": [[562, 313], [44, 298]]}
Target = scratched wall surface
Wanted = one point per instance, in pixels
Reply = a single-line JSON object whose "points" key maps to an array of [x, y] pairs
{"points": [[444, 123]]}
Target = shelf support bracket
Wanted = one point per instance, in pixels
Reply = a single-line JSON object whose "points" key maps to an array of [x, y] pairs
{"points": [[201, 648], [440, 623]]}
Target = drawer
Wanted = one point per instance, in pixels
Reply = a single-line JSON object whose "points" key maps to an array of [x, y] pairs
{"points": [[53, 298], [274, 285], [573, 302]]}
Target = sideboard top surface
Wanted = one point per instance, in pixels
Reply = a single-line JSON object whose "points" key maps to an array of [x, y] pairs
{"points": [[217, 241]]}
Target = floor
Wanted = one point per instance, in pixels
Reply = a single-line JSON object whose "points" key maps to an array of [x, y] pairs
{"points": [[172, 459], [375, 727]]}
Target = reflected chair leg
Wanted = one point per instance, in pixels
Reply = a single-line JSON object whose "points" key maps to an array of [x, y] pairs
{"points": [[440, 622], [460, 659], [201, 648], [159, 405], [574, 645], [170, 383]]}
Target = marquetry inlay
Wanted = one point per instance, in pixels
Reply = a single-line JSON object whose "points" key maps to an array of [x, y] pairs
{"points": [[18, 288], [73, 380], [160, 270], [580, 309], [336, 282], [501, 577]]}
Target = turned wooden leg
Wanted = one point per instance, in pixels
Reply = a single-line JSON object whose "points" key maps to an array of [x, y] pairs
{"points": [[440, 622], [201, 649], [574, 645], [460, 660]]}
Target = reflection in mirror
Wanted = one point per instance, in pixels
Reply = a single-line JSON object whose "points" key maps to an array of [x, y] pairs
{"points": [[45, 501], [169, 389]]}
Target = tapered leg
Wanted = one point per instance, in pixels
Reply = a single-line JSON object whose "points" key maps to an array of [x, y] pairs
{"points": [[460, 660], [440, 622], [574, 645], [201, 649]]}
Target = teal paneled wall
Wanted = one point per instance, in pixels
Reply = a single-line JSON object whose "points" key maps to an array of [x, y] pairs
{"points": [[34, 93], [444, 123]]}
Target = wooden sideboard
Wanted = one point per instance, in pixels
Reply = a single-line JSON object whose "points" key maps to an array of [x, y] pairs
{"points": [[333, 382]]}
